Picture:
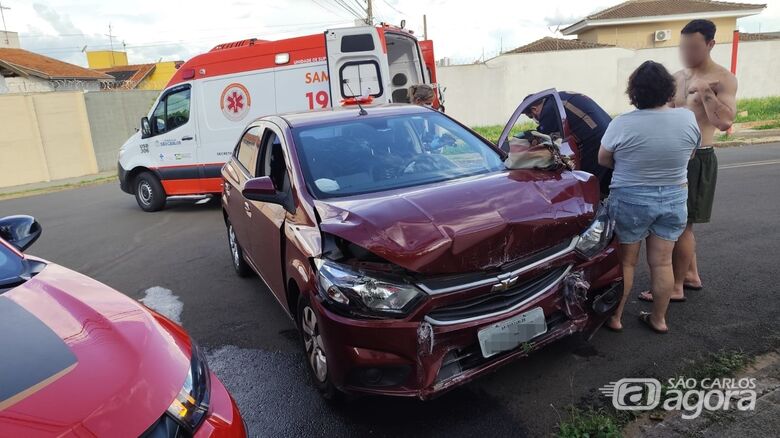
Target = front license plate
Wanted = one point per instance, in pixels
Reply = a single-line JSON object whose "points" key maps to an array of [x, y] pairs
{"points": [[509, 333]]}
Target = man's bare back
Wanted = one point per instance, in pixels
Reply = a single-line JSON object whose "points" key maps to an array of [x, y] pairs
{"points": [[713, 85]]}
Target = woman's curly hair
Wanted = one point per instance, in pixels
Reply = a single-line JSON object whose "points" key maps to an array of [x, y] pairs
{"points": [[650, 86]]}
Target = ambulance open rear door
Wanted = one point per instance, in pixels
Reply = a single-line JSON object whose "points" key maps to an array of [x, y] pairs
{"points": [[357, 65]]}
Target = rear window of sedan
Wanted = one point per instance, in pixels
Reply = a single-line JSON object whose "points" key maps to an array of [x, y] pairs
{"points": [[375, 154]]}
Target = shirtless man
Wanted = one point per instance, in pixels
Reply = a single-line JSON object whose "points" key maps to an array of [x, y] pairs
{"points": [[709, 90]]}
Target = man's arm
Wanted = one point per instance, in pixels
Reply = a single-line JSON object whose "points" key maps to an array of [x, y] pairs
{"points": [[721, 107], [606, 158]]}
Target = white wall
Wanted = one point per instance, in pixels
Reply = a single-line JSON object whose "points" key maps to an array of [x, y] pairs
{"points": [[487, 94]]}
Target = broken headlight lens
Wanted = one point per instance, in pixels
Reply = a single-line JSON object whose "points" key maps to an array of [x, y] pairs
{"points": [[190, 406], [598, 235], [364, 294]]}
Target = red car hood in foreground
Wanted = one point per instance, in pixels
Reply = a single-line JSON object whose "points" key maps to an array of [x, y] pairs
{"points": [[466, 225], [125, 368]]}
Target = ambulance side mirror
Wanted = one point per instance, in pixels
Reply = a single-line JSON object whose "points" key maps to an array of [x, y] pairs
{"points": [[146, 128]]}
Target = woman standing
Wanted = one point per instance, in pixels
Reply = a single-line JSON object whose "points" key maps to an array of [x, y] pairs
{"points": [[649, 149]]}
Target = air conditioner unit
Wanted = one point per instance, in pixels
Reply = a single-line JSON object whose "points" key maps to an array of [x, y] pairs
{"points": [[663, 35]]}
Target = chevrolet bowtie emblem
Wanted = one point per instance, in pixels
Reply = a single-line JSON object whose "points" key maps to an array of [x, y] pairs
{"points": [[505, 283]]}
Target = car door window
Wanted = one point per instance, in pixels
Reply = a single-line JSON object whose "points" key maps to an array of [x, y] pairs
{"points": [[273, 163], [247, 151], [172, 111]]}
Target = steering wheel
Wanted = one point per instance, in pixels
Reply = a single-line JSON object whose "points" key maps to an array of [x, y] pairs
{"points": [[428, 162]]}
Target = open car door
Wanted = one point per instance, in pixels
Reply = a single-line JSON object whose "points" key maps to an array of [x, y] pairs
{"points": [[357, 65], [568, 145]]}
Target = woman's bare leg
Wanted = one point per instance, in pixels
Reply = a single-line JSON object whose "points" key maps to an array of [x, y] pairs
{"points": [[659, 257], [629, 256]]}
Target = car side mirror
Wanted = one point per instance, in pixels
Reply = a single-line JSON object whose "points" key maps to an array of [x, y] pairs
{"points": [[146, 127], [20, 231], [262, 189], [259, 189]]}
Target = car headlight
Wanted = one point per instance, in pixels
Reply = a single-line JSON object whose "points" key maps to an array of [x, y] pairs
{"points": [[598, 235], [364, 294], [190, 406]]}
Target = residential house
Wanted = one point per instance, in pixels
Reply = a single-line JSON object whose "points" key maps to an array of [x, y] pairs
{"points": [[153, 76], [23, 71], [642, 24]]}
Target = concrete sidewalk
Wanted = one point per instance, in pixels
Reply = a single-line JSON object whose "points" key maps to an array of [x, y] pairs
{"points": [[56, 185], [764, 421]]}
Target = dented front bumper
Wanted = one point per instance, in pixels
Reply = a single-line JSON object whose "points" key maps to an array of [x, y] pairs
{"points": [[436, 348]]}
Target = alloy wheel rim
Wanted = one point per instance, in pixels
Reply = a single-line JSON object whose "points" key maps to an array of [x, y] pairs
{"points": [[233, 245], [145, 192], [313, 343]]}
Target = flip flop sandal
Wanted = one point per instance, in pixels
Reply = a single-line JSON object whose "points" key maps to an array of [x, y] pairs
{"points": [[613, 329], [643, 297], [645, 318], [692, 287]]}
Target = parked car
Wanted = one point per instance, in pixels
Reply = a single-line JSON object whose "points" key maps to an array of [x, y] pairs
{"points": [[410, 258], [81, 359]]}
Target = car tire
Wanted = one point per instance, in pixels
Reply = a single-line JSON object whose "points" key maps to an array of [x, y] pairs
{"points": [[314, 350], [149, 193], [237, 253]]}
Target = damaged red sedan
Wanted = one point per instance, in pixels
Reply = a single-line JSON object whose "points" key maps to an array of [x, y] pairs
{"points": [[410, 258]]}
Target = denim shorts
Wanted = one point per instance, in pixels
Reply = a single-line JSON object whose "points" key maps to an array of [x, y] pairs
{"points": [[639, 211]]}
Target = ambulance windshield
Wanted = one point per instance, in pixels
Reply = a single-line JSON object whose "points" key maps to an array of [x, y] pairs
{"points": [[375, 154]]}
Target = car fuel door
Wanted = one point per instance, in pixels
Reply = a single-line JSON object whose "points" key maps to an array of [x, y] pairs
{"points": [[552, 103], [357, 65]]}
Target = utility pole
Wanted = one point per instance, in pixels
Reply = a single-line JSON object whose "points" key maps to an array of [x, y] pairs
{"points": [[369, 12], [5, 30], [425, 27]]}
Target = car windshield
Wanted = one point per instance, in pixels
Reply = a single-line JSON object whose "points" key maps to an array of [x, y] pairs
{"points": [[374, 154], [11, 266]]}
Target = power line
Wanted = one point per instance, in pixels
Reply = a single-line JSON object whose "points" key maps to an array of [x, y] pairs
{"points": [[392, 7], [349, 8], [73, 49]]}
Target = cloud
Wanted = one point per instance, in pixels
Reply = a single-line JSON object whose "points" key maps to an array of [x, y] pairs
{"points": [[60, 23]]}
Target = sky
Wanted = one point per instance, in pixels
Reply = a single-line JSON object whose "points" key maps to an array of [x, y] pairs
{"points": [[152, 30]]}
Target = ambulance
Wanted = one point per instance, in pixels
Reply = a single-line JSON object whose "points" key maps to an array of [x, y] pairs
{"points": [[192, 128]]}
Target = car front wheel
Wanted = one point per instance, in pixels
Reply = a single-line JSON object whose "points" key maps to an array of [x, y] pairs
{"points": [[314, 349]]}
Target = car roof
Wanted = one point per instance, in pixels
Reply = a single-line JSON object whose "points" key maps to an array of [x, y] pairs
{"points": [[335, 115]]}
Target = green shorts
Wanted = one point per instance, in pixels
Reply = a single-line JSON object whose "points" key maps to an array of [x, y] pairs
{"points": [[702, 176]]}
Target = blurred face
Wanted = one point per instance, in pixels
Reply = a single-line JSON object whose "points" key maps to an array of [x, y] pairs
{"points": [[694, 49]]}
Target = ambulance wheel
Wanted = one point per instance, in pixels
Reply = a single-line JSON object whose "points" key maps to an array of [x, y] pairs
{"points": [[149, 193]]}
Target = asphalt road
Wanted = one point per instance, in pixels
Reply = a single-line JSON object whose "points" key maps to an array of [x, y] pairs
{"points": [[253, 346]]}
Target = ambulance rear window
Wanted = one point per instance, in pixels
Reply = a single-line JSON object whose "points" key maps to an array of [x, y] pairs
{"points": [[357, 43]]}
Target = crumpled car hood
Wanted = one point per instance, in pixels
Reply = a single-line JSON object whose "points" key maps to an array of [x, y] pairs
{"points": [[128, 366], [466, 225]]}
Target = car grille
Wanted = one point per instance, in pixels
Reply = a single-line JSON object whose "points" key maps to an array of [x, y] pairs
{"points": [[496, 302]]}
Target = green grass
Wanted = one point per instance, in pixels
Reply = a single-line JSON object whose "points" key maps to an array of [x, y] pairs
{"points": [[493, 132], [716, 365], [590, 423], [765, 108]]}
